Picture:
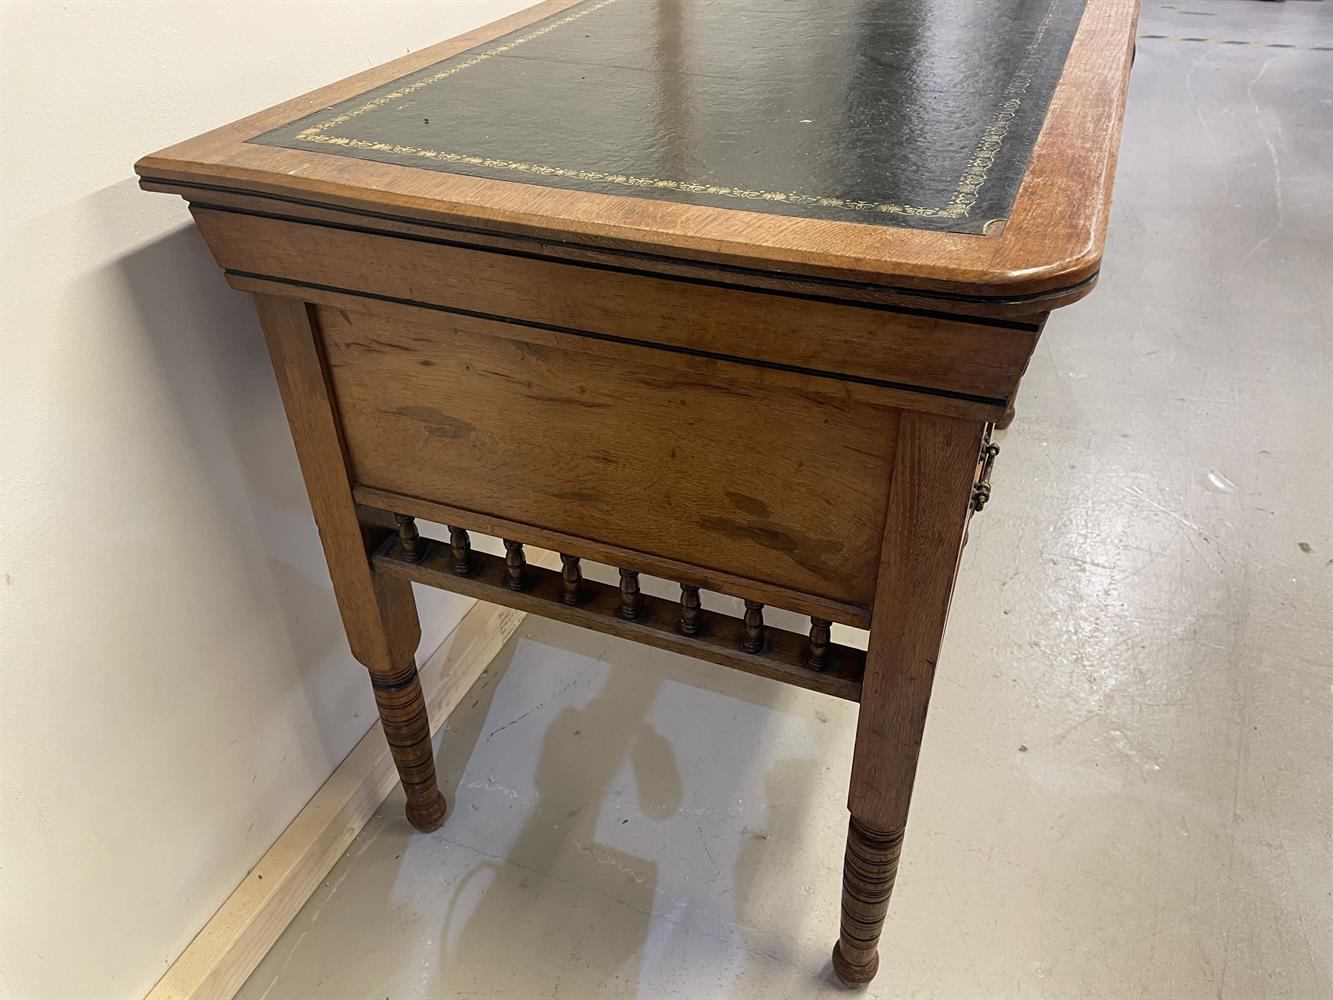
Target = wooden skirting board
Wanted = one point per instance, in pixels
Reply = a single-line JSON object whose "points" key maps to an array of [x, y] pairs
{"points": [[229, 947]]}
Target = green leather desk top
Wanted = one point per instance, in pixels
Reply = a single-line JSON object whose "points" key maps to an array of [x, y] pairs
{"points": [[887, 112]]}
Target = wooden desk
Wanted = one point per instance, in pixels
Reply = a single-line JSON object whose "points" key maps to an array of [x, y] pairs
{"points": [[728, 294]]}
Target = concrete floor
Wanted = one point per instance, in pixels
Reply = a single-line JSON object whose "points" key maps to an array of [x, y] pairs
{"points": [[1125, 785]]}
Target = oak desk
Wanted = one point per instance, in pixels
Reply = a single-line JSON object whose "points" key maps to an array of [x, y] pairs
{"points": [[725, 293]]}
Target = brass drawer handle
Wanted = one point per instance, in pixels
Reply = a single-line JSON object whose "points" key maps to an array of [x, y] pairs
{"points": [[981, 491]]}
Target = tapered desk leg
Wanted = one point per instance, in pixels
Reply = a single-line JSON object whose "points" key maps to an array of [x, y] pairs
{"points": [[934, 470], [378, 613]]}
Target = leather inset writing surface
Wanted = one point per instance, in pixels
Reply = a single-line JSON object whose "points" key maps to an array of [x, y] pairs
{"points": [[887, 112]]}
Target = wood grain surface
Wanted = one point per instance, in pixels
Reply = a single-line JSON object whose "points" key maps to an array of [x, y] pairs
{"points": [[928, 512], [641, 457], [968, 357]]}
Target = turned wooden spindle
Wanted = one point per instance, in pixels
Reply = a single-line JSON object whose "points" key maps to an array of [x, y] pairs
{"points": [[570, 578], [460, 546], [631, 601], [406, 727], [515, 564], [753, 641], [869, 868], [408, 536], [690, 607], [816, 657]]}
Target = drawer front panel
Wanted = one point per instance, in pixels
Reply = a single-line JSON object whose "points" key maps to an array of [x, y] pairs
{"points": [[966, 360], [688, 459]]}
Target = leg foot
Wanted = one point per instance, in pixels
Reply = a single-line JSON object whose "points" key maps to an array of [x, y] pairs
{"points": [[402, 711], [430, 818], [855, 976], [869, 869]]}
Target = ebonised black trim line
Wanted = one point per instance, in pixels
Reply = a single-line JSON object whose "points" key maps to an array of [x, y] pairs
{"points": [[1036, 299], [630, 341]]}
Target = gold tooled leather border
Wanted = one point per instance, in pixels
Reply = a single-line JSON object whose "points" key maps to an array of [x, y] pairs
{"points": [[960, 204]]}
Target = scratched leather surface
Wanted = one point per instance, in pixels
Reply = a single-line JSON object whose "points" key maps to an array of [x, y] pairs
{"points": [[888, 112]]}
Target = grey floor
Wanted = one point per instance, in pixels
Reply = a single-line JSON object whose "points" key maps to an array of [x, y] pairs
{"points": [[1125, 785]]}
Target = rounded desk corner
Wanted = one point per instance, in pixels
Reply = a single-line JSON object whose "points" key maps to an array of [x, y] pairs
{"points": [[1050, 284]]}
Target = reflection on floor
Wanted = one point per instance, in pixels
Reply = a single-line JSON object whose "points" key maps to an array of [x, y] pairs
{"points": [[1125, 785]]}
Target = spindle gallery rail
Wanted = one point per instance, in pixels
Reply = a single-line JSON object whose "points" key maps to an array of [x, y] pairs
{"points": [[747, 643]]}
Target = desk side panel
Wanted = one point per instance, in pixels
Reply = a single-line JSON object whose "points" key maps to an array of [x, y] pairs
{"points": [[701, 463]]}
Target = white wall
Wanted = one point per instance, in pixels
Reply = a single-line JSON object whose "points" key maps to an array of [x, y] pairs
{"points": [[174, 681]]}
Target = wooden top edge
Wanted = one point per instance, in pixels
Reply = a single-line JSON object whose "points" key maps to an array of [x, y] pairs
{"points": [[821, 282], [1049, 251]]}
